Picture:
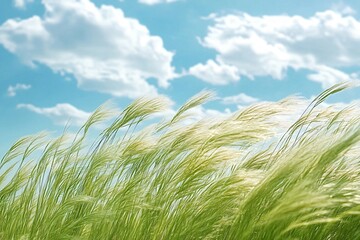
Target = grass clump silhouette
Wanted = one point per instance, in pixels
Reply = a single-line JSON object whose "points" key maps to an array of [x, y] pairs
{"points": [[233, 178]]}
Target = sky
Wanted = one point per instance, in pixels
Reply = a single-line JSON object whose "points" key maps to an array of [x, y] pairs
{"points": [[60, 60]]}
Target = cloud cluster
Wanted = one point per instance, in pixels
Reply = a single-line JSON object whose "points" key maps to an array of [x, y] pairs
{"points": [[254, 46], [12, 90], [60, 114], [104, 50]]}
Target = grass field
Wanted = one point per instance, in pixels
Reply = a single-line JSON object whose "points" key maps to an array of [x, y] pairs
{"points": [[242, 177]]}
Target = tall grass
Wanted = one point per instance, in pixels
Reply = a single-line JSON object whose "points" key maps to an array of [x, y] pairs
{"points": [[232, 178]]}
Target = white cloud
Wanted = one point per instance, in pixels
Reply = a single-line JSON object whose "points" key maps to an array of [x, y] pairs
{"points": [[153, 2], [61, 114], [104, 50], [21, 3], [199, 112], [12, 90], [194, 114], [328, 76], [270, 45], [241, 99], [215, 73]]}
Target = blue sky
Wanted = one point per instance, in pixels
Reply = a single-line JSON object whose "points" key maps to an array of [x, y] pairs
{"points": [[59, 60]]}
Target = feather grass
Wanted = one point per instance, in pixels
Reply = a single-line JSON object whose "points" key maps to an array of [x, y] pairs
{"points": [[232, 178]]}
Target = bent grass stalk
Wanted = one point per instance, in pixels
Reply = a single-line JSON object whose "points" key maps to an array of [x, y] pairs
{"points": [[232, 178]]}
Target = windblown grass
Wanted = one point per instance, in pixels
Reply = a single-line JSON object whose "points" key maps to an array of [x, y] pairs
{"points": [[233, 178]]}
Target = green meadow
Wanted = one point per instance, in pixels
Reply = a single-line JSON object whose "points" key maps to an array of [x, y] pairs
{"points": [[258, 174]]}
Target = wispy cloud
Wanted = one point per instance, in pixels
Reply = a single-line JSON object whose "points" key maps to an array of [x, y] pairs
{"points": [[328, 76], [154, 2], [12, 90], [21, 3], [60, 114], [241, 99]]}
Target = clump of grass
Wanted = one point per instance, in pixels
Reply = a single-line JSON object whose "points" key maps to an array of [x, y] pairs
{"points": [[232, 178]]}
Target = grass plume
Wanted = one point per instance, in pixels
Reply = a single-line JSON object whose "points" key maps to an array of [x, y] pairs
{"points": [[233, 178]]}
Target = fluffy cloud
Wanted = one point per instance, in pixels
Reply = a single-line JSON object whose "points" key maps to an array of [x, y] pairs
{"points": [[153, 2], [104, 50], [215, 73], [241, 99], [12, 90], [21, 3], [61, 114], [269, 45]]}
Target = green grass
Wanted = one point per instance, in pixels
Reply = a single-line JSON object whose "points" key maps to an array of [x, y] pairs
{"points": [[232, 178]]}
